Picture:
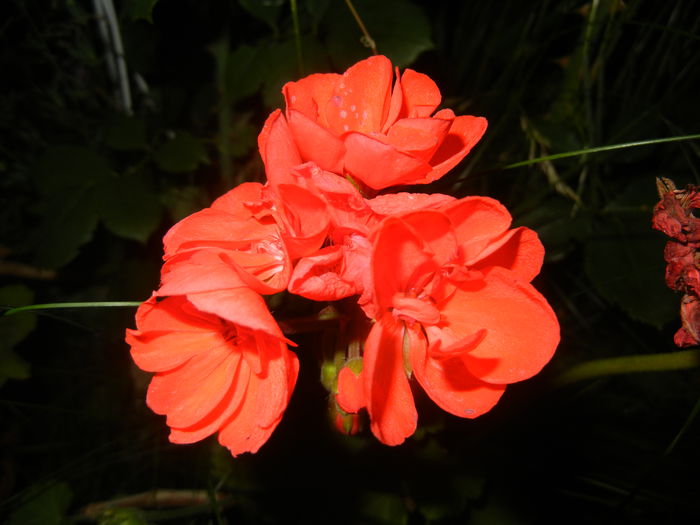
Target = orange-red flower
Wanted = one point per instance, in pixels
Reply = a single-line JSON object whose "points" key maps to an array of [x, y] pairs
{"points": [[455, 309], [235, 242], [212, 374], [359, 124]]}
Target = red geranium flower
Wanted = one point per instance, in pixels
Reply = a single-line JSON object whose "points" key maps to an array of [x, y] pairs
{"points": [[235, 242], [358, 124], [214, 375], [455, 309]]}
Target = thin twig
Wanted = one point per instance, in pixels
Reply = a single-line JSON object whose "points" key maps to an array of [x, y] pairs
{"points": [[366, 39], [154, 498]]}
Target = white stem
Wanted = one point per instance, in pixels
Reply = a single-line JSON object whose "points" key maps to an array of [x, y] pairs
{"points": [[109, 30]]}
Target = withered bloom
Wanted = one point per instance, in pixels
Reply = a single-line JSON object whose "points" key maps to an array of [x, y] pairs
{"points": [[674, 216]]}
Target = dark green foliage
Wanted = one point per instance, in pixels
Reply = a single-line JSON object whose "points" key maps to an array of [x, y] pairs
{"points": [[12, 331], [88, 187], [181, 153], [47, 505]]}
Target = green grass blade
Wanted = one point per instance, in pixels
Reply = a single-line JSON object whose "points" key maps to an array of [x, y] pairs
{"points": [[49, 306], [599, 149]]}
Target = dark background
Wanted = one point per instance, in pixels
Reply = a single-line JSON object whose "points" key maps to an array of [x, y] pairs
{"points": [[89, 185]]}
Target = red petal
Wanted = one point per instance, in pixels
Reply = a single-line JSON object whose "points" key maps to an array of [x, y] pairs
{"points": [[414, 309], [395, 104], [360, 101], [229, 404], [278, 149], [241, 306], [168, 336], [380, 165], [310, 95], [318, 277], [399, 260], [266, 399], [173, 314], [518, 250], [419, 137], [238, 201], [420, 94], [451, 385], [389, 399], [398, 203], [305, 217], [522, 331], [316, 143], [347, 208], [189, 393], [445, 344], [166, 351], [351, 394], [477, 222], [210, 227], [436, 230], [465, 132], [201, 271]]}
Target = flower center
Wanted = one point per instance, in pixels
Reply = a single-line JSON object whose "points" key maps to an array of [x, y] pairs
{"points": [[230, 333]]}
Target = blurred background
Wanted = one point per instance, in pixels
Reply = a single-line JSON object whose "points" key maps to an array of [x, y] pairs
{"points": [[118, 118]]}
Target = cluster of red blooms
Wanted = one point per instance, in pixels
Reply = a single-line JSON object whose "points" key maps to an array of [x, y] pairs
{"points": [[673, 215], [442, 285]]}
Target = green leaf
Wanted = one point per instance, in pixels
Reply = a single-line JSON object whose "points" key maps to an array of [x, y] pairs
{"points": [[281, 66], [47, 507], [13, 330], [385, 508], [125, 133], [182, 153], [12, 366], [182, 201], [624, 259], [399, 28], [317, 9], [69, 221], [244, 72], [62, 169], [129, 206], [267, 11], [140, 9], [243, 136]]}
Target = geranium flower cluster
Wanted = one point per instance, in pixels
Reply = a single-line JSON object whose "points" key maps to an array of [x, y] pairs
{"points": [[439, 287]]}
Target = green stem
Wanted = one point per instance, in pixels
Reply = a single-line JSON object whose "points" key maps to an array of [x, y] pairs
{"points": [[297, 37], [601, 148], [679, 360], [48, 306]]}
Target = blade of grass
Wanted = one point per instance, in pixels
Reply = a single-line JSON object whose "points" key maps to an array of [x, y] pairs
{"points": [[48, 306], [599, 149], [629, 364]]}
